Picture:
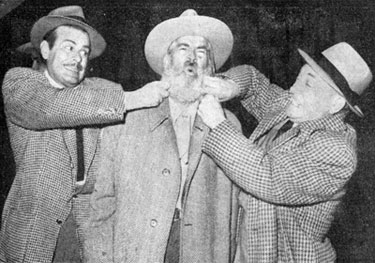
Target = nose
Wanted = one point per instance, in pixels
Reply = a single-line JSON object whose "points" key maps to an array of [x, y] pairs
{"points": [[192, 57], [77, 56]]}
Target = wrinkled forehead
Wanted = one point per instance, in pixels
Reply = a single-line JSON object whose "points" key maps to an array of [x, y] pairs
{"points": [[192, 41]]}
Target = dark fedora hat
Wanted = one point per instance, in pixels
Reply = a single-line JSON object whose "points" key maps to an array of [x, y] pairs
{"points": [[67, 15]]}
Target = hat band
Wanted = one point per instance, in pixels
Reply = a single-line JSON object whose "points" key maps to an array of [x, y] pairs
{"points": [[78, 18], [338, 79]]}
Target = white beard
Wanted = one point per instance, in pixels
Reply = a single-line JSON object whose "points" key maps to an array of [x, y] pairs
{"points": [[185, 88]]}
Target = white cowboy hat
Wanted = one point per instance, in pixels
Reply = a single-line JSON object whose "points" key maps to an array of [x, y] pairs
{"points": [[189, 23], [344, 70], [67, 15]]}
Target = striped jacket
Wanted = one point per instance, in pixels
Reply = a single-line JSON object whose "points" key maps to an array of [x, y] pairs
{"points": [[291, 189], [41, 121]]}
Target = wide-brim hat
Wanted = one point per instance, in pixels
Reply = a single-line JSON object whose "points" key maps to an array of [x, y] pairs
{"points": [[344, 70], [189, 23], [27, 48], [67, 15]]}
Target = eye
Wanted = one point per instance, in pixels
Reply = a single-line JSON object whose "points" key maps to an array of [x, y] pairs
{"points": [[309, 83], [69, 48], [85, 53], [201, 53]]}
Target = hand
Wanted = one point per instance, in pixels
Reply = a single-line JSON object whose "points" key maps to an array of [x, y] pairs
{"points": [[222, 89], [211, 111], [150, 95]]}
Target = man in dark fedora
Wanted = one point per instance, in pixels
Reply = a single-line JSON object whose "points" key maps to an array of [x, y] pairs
{"points": [[292, 181], [157, 197], [51, 117]]}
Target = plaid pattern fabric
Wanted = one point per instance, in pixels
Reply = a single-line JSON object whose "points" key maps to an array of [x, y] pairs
{"points": [[290, 190], [39, 119]]}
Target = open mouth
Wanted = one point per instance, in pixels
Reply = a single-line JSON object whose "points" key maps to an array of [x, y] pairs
{"points": [[191, 70]]}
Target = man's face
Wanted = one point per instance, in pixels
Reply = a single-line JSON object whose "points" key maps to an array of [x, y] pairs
{"points": [[311, 97], [68, 58], [188, 62]]}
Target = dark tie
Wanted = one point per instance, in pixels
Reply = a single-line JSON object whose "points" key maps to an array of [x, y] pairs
{"points": [[266, 140], [287, 126], [80, 157]]}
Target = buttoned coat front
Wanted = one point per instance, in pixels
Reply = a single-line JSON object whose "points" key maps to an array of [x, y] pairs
{"points": [[41, 121], [137, 189], [290, 187]]}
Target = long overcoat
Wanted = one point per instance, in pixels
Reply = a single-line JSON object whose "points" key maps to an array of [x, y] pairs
{"points": [[44, 189], [137, 189]]}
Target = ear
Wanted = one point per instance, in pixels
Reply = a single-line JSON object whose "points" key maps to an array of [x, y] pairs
{"points": [[338, 103], [44, 49]]}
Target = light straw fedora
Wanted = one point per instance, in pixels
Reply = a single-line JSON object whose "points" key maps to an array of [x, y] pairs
{"points": [[189, 23], [344, 70]]}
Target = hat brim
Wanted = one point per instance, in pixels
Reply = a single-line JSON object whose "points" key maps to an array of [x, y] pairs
{"points": [[47, 23], [320, 71], [26, 48], [214, 30]]}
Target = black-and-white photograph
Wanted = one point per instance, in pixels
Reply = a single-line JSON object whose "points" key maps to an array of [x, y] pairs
{"points": [[141, 131]]}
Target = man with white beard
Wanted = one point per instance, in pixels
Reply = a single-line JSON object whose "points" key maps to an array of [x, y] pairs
{"points": [[157, 197]]}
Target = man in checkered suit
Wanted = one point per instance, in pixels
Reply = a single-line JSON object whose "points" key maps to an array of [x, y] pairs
{"points": [[291, 183], [43, 110]]}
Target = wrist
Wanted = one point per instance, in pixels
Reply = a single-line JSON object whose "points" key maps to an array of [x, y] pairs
{"points": [[129, 100]]}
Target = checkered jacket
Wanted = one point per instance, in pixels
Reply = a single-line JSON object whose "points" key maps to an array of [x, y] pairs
{"points": [[41, 121], [291, 189]]}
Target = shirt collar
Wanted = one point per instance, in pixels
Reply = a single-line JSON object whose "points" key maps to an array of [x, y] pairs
{"points": [[329, 122], [177, 109]]}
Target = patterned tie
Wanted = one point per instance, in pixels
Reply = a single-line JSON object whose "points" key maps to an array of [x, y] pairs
{"points": [[266, 140], [80, 156]]}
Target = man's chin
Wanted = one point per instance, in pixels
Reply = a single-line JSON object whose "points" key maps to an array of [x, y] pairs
{"points": [[185, 98]]}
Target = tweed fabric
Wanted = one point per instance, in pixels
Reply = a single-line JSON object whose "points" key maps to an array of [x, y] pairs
{"points": [[289, 191], [41, 121], [137, 189]]}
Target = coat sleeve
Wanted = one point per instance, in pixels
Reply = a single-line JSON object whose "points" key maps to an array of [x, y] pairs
{"points": [[32, 103], [313, 173], [258, 95], [235, 194], [99, 244]]}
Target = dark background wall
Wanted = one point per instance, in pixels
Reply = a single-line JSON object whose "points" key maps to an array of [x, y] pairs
{"points": [[267, 34]]}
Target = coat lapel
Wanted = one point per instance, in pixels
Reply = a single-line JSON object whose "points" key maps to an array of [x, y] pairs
{"points": [[267, 123], [69, 136], [90, 141]]}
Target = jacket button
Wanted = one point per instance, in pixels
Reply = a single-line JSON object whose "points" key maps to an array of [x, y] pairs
{"points": [[74, 196], [153, 223], [58, 221], [166, 172]]}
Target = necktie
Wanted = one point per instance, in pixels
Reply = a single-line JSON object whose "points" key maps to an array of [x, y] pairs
{"points": [[80, 157], [276, 131], [287, 126]]}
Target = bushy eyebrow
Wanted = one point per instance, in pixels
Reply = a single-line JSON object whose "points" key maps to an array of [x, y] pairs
{"points": [[311, 75], [187, 45]]}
